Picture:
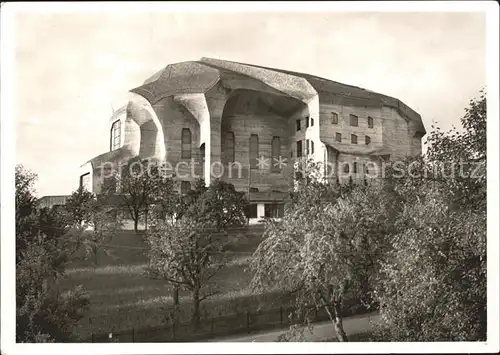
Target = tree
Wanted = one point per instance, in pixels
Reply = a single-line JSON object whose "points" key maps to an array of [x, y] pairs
{"points": [[43, 248], [324, 247], [432, 284], [139, 187], [220, 205], [78, 205], [187, 252], [188, 256], [104, 224]]}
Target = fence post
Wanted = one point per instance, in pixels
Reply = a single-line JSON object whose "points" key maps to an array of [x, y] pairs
{"points": [[281, 315], [248, 322]]}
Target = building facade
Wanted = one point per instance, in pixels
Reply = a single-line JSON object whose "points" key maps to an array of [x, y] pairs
{"points": [[248, 125]]}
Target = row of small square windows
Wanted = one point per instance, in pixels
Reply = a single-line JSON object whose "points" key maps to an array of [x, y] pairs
{"points": [[353, 121], [354, 138]]}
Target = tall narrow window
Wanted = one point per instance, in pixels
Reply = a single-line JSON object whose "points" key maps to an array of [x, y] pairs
{"points": [[202, 154], [297, 122], [353, 120], [307, 121], [299, 149], [254, 150], [276, 153], [312, 121], [185, 187], [312, 147], [116, 134], [335, 118], [354, 139], [370, 122], [355, 168], [367, 140], [186, 144], [307, 147], [338, 137], [230, 147], [346, 168]]}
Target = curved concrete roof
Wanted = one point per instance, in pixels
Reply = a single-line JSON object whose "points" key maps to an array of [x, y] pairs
{"points": [[198, 77]]}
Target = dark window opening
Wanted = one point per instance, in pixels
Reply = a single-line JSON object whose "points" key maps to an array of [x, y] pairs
{"points": [[353, 120], [254, 189], [338, 137], [354, 139], [298, 125], [335, 118], [254, 151], [312, 121], [307, 121], [230, 147], [370, 122], [367, 140], [312, 147], [355, 168], [275, 153], [252, 211], [274, 210], [346, 168], [186, 144], [202, 153], [299, 149]]}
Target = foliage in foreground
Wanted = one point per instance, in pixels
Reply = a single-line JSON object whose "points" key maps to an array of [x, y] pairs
{"points": [[43, 313]]}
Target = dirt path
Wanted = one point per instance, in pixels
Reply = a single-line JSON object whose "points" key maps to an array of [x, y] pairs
{"points": [[321, 332]]}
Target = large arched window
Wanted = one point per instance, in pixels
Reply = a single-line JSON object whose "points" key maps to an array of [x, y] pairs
{"points": [[116, 134], [276, 153], [186, 144], [254, 150], [230, 147]]}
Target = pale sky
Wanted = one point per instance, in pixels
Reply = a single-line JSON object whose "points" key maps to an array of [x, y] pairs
{"points": [[70, 68]]}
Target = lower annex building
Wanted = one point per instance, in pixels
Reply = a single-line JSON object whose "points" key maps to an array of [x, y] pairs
{"points": [[248, 124]]}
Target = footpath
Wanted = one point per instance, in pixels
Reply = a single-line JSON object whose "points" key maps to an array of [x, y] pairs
{"points": [[323, 331]]}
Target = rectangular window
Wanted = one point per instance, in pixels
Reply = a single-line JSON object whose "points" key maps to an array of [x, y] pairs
{"points": [[312, 147], [116, 135], [252, 211], [312, 121], [355, 168], [335, 118], [370, 122], [274, 210], [338, 137], [254, 151], [353, 120], [307, 121], [299, 149], [367, 140], [354, 139], [298, 125], [275, 153], [186, 144], [307, 147], [230, 147]]}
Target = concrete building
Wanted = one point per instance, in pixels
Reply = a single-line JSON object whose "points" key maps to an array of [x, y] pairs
{"points": [[248, 124]]}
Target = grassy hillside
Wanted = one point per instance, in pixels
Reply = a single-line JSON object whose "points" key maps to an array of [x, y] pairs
{"points": [[122, 297]]}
